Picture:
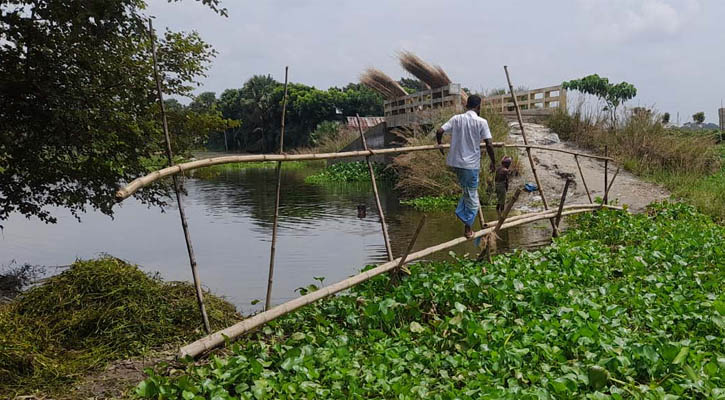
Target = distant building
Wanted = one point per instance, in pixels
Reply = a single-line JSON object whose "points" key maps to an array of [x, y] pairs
{"points": [[722, 119]]}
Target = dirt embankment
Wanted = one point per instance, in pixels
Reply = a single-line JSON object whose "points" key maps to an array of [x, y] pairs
{"points": [[554, 168]]}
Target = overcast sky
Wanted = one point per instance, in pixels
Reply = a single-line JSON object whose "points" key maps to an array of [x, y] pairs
{"points": [[673, 51]]}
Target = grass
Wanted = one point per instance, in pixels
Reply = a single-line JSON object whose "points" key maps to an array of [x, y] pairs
{"points": [[351, 172], [688, 163], [620, 307], [216, 170], [95, 312]]}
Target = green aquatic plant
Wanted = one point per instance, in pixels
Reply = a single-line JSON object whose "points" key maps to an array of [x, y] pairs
{"points": [[349, 172], [620, 307], [432, 203]]}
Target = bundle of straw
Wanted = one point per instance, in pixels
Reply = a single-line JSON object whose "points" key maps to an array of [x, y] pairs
{"points": [[433, 76], [381, 83]]}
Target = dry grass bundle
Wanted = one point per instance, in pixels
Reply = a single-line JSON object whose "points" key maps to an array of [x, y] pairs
{"points": [[381, 83], [433, 75]]}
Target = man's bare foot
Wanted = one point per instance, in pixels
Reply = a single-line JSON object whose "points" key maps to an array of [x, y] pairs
{"points": [[468, 232]]}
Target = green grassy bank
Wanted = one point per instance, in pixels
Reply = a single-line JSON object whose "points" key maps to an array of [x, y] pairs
{"points": [[620, 307]]}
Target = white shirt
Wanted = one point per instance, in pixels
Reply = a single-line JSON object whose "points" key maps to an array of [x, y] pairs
{"points": [[468, 130]]}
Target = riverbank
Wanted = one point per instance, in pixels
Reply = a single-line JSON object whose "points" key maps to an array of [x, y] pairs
{"points": [[621, 306]]}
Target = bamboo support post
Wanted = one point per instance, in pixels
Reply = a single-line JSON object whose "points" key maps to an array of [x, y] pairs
{"points": [[584, 181], [177, 189], [494, 234], [606, 194], [561, 203], [528, 149], [606, 171], [138, 183], [381, 214], [401, 264], [230, 333], [273, 247]]}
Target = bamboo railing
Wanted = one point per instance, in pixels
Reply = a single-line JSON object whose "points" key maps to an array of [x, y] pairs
{"points": [[218, 338], [138, 183]]}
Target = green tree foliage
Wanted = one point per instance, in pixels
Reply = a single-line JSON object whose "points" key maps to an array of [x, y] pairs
{"points": [[412, 85], [613, 95], [698, 117], [77, 101]]}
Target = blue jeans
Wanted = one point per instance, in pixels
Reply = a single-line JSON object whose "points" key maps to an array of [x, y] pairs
{"points": [[468, 205]]}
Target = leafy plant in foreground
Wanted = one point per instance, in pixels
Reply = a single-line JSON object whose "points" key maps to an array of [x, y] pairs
{"points": [[622, 306]]}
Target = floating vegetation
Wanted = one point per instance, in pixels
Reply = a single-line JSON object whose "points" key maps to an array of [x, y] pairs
{"points": [[432, 203], [94, 312], [216, 170], [620, 307], [350, 172]]}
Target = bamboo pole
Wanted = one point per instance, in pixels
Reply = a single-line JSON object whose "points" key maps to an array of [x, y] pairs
{"points": [[381, 214], [561, 203], [273, 248], [220, 337], [576, 158], [606, 171], [494, 234], [528, 149], [612, 182], [401, 264], [177, 189], [146, 180]]}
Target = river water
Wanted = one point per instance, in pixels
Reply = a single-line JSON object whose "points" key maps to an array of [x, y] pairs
{"points": [[230, 218]]}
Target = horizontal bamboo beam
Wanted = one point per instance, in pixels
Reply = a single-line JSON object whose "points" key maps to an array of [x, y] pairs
{"points": [[218, 338], [138, 183]]}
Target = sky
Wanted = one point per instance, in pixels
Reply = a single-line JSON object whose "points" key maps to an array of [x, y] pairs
{"points": [[673, 51]]}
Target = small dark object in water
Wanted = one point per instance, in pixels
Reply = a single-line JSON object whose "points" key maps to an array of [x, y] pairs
{"points": [[361, 211]]}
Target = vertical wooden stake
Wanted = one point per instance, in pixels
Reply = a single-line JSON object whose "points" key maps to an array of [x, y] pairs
{"points": [[561, 204], [528, 150], [388, 249], [576, 158], [273, 248], [606, 194], [401, 264], [606, 171], [177, 189], [494, 233]]}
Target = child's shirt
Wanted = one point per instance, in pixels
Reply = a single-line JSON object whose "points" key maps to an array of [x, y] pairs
{"points": [[502, 176]]}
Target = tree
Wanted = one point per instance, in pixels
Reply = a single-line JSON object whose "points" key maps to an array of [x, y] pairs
{"points": [[699, 117], [666, 118], [613, 95], [78, 114], [356, 98], [412, 85], [204, 103]]}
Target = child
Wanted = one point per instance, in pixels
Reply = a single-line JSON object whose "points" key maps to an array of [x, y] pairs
{"points": [[502, 184]]}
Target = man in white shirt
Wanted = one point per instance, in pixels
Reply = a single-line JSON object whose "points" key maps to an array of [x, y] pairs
{"points": [[467, 131]]}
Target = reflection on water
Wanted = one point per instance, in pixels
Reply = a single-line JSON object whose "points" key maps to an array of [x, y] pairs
{"points": [[230, 218]]}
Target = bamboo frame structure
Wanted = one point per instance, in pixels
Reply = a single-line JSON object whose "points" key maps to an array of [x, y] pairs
{"points": [[138, 183], [494, 234], [273, 247], [611, 183], [561, 203], [177, 189], [606, 171], [404, 257], [220, 337], [528, 149], [381, 214], [584, 181]]}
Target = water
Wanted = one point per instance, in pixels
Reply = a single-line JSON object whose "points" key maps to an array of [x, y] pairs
{"points": [[230, 219]]}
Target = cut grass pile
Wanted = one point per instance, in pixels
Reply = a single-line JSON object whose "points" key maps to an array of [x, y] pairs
{"points": [[620, 307], [94, 312]]}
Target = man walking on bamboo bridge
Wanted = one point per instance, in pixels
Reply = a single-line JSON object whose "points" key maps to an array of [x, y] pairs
{"points": [[467, 131]]}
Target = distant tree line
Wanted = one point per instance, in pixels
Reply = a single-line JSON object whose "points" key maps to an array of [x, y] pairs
{"points": [[256, 110]]}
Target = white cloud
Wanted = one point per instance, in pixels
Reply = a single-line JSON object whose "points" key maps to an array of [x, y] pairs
{"points": [[620, 21]]}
